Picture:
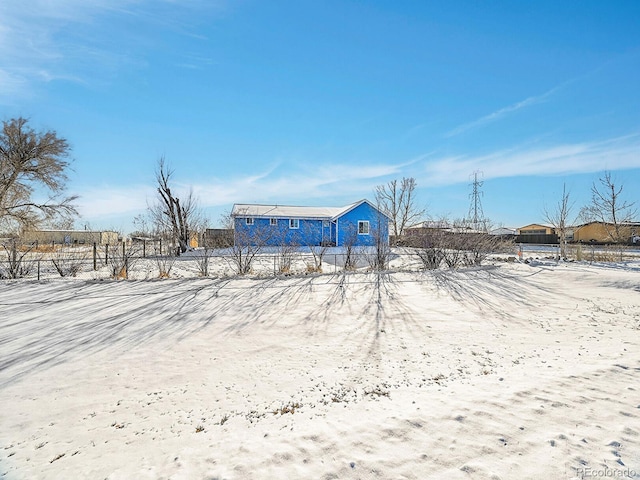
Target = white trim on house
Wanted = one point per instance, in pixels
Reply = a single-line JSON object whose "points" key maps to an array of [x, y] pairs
{"points": [[363, 223], [288, 211], [284, 211], [273, 222], [248, 221], [294, 223]]}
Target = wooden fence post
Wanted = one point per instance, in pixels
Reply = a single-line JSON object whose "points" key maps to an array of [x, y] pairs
{"points": [[95, 256], [106, 253]]}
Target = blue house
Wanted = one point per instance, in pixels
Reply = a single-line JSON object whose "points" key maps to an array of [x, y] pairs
{"points": [[360, 223]]}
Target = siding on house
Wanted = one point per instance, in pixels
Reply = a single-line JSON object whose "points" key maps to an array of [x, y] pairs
{"points": [[273, 225], [347, 226], [536, 229], [599, 232], [536, 233]]}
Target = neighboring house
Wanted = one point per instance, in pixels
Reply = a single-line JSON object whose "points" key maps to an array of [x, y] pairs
{"points": [[70, 237], [504, 232], [536, 233], [601, 232], [431, 226], [218, 237], [360, 223]]}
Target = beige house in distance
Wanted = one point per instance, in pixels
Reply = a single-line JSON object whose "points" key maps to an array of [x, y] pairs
{"points": [[71, 237], [599, 232], [535, 229]]}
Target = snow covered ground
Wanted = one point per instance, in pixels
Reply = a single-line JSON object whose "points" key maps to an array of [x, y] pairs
{"points": [[506, 371]]}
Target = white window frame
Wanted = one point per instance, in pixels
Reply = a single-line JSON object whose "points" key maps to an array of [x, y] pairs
{"points": [[294, 223], [248, 221], [363, 223], [273, 222]]}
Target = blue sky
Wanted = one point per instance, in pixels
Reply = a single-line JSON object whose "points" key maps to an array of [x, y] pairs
{"points": [[315, 103]]}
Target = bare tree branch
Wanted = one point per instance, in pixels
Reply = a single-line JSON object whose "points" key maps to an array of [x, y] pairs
{"points": [[558, 217], [29, 161], [171, 215], [609, 207], [398, 203]]}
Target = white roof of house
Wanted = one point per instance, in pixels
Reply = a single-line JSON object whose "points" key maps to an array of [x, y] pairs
{"points": [[289, 211], [503, 231]]}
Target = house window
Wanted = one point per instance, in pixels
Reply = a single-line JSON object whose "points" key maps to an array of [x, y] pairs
{"points": [[363, 227], [294, 223], [273, 222], [248, 221]]}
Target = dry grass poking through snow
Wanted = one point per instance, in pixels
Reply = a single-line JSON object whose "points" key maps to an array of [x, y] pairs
{"points": [[518, 371]]}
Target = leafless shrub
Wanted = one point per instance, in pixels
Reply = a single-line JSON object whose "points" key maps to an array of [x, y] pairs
{"points": [[318, 251], [247, 244], [165, 264], [478, 246], [455, 245], [18, 265], [452, 255], [287, 253], [203, 256], [379, 255], [67, 262], [431, 252], [351, 252], [121, 259]]}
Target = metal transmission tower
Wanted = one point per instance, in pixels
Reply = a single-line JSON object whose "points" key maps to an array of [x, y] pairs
{"points": [[476, 215]]}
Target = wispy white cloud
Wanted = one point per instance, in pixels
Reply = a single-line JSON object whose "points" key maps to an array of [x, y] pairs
{"points": [[569, 158], [107, 201], [277, 183], [332, 184], [503, 112], [300, 185], [42, 41]]}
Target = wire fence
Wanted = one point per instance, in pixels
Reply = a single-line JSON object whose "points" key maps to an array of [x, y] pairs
{"points": [[153, 259]]}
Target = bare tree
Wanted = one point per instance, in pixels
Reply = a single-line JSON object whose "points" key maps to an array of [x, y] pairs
{"points": [[177, 217], [399, 204], [558, 217], [609, 207], [31, 160]]}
